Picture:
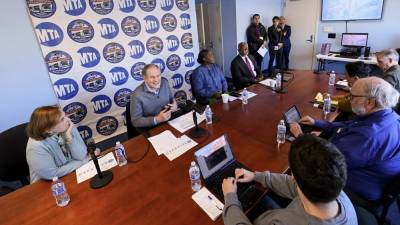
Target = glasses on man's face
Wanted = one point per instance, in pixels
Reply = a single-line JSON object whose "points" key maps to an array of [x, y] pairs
{"points": [[353, 96]]}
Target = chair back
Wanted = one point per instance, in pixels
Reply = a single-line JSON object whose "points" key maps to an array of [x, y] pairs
{"points": [[131, 130]]}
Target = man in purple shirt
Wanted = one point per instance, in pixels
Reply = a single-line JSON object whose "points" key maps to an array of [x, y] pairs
{"points": [[370, 142]]}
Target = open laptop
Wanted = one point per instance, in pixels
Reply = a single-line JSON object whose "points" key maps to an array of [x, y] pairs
{"points": [[216, 162], [292, 115]]}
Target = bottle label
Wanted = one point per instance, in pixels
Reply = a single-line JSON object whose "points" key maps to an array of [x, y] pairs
{"points": [[58, 190]]}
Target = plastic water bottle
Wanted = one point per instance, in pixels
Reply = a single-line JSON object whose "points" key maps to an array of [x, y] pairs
{"points": [[281, 133], [194, 174], [208, 113], [120, 153], [245, 96], [59, 192], [332, 78], [278, 81], [327, 104]]}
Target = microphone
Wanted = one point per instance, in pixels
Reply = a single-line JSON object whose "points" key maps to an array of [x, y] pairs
{"points": [[196, 131], [102, 178]]}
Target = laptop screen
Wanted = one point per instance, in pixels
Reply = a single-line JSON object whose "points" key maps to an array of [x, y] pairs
{"points": [[212, 157], [292, 115]]}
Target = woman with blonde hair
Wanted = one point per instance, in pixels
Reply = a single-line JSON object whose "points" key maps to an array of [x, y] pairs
{"points": [[55, 147]]}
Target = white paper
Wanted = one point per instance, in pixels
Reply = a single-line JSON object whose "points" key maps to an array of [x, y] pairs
{"points": [[161, 141], [262, 50], [185, 122], [182, 145], [208, 203], [250, 95], [268, 82], [88, 170], [343, 83], [232, 98]]}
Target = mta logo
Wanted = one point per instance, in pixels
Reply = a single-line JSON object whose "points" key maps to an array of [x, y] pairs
{"points": [[107, 125], [85, 132], [160, 63], [122, 96], [154, 45], [108, 28], [182, 4], [186, 23], [167, 5], [173, 62], [126, 6], [188, 75], [168, 22], [58, 62], [172, 43], [147, 5], [131, 26], [118, 75], [101, 104], [49, 34], [136, 49], [187, 41], [76, 111], [189, 59], [102, 7], [80, 31], [151, 24], [113, 52], [41, 8], [177, 81], [74, 7], [136, 71], [89, 56], [66, 88], [93, 81]]}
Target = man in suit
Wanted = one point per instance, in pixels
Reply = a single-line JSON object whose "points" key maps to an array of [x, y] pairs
{"points": [[275, 45], [244, 68], [256, 36], [388, 62], [287, 31]]}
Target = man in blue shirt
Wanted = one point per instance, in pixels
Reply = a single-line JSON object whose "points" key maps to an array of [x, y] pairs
{"points": [[370, 142]]}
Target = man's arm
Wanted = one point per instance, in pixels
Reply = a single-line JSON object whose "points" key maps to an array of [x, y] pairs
{"points": [[199, 87], [233, 213], [282, 184], [137, 118]]}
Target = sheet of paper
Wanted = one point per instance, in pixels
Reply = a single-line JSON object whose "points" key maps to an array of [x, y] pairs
{"points": [[161, 141], [262, 50], [250, 95], [208, 203], [343, 83], [88, 170], [267, 82], [320, 99], [232, 98], [185, 122], [182, 145]]}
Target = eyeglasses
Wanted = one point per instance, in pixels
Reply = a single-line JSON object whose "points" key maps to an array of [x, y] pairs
{"points": [[352, 96]]}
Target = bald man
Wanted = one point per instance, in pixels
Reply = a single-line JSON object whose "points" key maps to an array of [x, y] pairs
{"points": [[370, 142]]}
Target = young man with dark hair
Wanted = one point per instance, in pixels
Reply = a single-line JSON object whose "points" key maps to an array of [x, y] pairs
{"points": [[315, 187], [275, 45], [256, 36]]}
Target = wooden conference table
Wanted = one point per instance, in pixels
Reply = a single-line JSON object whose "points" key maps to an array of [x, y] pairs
{"points": [[156, 190]]}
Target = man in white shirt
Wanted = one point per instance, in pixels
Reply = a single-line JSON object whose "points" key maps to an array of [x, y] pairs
{"points": [[244, 68]]}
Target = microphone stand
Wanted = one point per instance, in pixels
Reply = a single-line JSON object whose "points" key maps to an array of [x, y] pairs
{"points": [[197, 131], [102, 178]]}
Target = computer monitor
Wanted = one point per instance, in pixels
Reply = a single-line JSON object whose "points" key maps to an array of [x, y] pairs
{"points": [[354, 39]]}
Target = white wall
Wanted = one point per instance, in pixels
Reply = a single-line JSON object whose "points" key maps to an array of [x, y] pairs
{"points": [[24, 81]]}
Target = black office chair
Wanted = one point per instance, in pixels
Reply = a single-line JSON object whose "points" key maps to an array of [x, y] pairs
{"points": [[13, 164], [365, 217], [131, 130]]}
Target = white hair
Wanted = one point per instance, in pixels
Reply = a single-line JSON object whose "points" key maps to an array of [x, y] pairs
{"points": [[389, 54], [386, 96]]}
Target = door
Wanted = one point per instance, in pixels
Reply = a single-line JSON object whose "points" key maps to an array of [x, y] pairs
{"points": [[304, 26]]}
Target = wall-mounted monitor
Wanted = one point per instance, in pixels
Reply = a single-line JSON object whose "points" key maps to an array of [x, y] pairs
{"points": [[340, 10], [354, 39]]}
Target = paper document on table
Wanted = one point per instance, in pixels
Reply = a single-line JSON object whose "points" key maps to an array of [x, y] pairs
{"points": [[320, 99], [180, 146], [208, 203], [250, 95], [88, 170], [343, 83], [185, 122], [262, 50], [161, 141], [268, 82]]}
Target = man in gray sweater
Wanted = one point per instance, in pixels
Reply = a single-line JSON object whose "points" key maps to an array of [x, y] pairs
{"points": [[151, 102], [388, 62], [319, 175]]}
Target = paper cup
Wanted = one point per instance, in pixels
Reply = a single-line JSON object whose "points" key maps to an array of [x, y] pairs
{"points": [[225, 98]]}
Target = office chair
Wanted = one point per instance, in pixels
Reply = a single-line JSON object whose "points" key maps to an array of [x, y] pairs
{"points": [[13, 164], [365, 217], [130, 129]]}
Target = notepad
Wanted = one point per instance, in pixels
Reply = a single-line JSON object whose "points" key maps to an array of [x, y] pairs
{"points": [[208, 203], [320, 99], [88, 170], [185, 122]]}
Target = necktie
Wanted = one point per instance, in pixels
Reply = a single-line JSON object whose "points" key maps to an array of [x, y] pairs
{"points": [[248, 66]]}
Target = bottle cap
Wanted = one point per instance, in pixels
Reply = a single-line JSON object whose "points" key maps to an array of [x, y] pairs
{"points": [[117, 143], [55, 178], [193, 163]]}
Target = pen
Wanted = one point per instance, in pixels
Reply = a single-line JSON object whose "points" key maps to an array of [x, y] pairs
{"points": [[215, 203]]}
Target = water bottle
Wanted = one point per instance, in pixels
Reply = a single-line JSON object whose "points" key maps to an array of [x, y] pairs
{"points": [[245, 96], [194, 174], [280, 136], [278, 81], [120, 153], [327, 104], [332, 78], [208, 113], [59, 192]]}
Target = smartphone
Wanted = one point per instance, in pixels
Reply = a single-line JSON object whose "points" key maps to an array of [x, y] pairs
{"points": [[167, 107]]}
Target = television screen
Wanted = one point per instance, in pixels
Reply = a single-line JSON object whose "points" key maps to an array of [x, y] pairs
{"points": [[354, 39], [336, 10]]}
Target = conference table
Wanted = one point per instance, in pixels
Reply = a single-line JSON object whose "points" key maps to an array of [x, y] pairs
{"points": [[156, 190]]}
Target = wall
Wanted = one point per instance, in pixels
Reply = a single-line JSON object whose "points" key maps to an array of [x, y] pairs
{"points": [[25, 83], [229, 31]]}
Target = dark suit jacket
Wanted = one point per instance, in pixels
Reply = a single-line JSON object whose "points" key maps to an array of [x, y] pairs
{"points": [[286, 38], [275, 36], [253, 41], [241, 75]]}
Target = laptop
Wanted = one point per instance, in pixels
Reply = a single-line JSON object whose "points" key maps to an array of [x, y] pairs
{"points": [[292, 115], [216, 162]]}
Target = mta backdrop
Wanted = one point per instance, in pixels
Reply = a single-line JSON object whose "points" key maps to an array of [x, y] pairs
{"points": [[95, 50]]}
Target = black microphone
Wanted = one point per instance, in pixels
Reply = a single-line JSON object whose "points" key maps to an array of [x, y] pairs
{"points": [[102, 178]]}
